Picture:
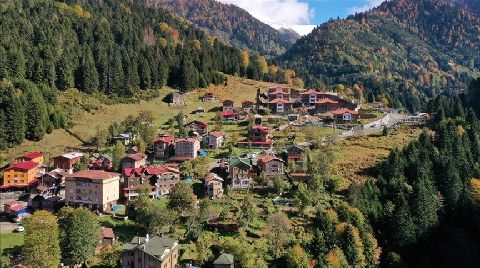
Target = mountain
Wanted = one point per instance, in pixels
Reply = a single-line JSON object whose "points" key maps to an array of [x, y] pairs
{"points": [[288, 34], [231, 24], [404, 52]]}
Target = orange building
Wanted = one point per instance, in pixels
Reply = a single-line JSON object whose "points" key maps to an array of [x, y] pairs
{"points": [[21, 174], [36, 157]]}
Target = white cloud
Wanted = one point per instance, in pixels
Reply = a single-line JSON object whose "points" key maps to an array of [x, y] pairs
{"points": [[277, 12], [301, 29], [368, 5]]}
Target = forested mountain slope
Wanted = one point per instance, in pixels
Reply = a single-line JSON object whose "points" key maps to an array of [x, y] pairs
{"points": [[231, 23], [404, 51]]}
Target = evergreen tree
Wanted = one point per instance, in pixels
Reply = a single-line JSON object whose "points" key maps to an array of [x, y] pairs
{"points": [[352, 246], [145, 75], [64, 73], [36, 115], [116, 79], [88, 76], [14, 114], [402, 225]]}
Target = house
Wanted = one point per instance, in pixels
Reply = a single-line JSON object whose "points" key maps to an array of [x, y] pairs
{"points": [[213, 185], [344, 116], [66, 162], [125, 138], [155, 252], [134, 160], [258, 136], [7, 206], [100, 163], [214, 140], [21, 175], [53, 203], [228, 106], [208, 97], [36, 157], [324, 102], [95, 189], [241, 173], [279, 92], [186, 149], [224, 261], [176, 99], [107, 237], [270, 165], [161, 180], [280, 106], [164, 147], [228, 115], [198, 126], [247, 106], [133, 150], [296, 152]]}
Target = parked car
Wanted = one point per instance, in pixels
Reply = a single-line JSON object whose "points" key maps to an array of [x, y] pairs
{"points": [[19, 229]]}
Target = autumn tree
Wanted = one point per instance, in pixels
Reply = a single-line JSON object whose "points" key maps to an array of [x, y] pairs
{"points": [[118, 153], [278, 235], [181, 198], [296, 257], [42, 248]]}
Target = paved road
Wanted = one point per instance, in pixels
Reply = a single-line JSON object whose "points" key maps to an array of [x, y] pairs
{"points": [[389, 120]]}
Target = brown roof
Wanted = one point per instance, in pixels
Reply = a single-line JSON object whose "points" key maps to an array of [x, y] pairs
{"points": [[217, 134], [136, 156], [94, 174], [107, 233]]}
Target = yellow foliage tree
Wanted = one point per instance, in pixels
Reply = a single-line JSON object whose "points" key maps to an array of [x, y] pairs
{"points": [[245, 58]]}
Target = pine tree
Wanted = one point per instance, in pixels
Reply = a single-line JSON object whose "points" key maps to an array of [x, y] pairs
{"points": [[145, 76], [352, 246], [36, 116], [64, 73], [14, 114], [116, 74], [402, 226], [88, 76], [425, 202]]}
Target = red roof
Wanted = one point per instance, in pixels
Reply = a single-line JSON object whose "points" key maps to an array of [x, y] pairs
{"points": [[166, 139], [25, 166], [310, 91], [344, 111], [327, 100], [93, 174], [33, 155], [268, 158], [17, 208], [227, 113], [261, 128], [107, 233], [278, 91], [295, 157], [12, 203], [279, 100], [190, 140]]}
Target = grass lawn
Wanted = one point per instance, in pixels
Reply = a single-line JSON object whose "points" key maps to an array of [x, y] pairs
{"points": [[11, 243], [124, 230], [354, 155]]}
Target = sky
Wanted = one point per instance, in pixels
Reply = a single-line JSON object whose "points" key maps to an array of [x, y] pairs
{"points": [[301, 15]]}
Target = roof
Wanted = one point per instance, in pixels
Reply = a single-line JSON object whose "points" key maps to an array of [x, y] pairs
{"points": [[227, 100], [190, 140], [25, 166], [247, 101], [216, 134], [165, 138], [157, 247], [107, 233], [136, 156], [261, 128], [212, 176], [71, 155], [224, 259], [227, 113], [344, 111], [12, 203], [279, 100], [268, 158], [150, 170], [33, 155], [94, 174], [310, 91], [278, 91], [327, 100], [239, 161]]}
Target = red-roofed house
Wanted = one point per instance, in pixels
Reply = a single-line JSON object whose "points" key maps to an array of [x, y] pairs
{"points": [[198, 126], [228, 106], [134, 160], [107, 237], [36, 157], [279, 92], [259, 133], [280, 106], [214, 140], [247, 106], [161, 179], [21, 174], [186, 149], [164, 147], [95, 189], [270, 165], [342, 116]]}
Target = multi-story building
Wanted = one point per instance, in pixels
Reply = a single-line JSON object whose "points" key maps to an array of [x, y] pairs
{"points": [[213, 140], [259, 133], [198, 126], [22, 174], [164, 147], [155, 252], [241, 173], [324, 102], [213, 185], [270, 165], [161, 180], [134, 160], [247, 106], [280, 106], [344, 116], [95, 189], [228, 106], [36, 157], [279, 92], [66, 162], [186, 149]]}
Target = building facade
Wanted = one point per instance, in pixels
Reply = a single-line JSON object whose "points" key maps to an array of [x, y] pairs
{"points": [[241, 173], [134, 161], [155, 252], [67, 161], [164, 147], [21, 174], [213, 185], [95, 189], [186, 149], [213, 140]]}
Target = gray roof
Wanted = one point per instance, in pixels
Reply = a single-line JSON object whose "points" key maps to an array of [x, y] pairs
{"points": [[224, 259], [238, 160], [157, 246]]}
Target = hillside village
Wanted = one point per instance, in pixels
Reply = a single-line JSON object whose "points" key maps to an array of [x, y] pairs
{"points": [[212, 164]]}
